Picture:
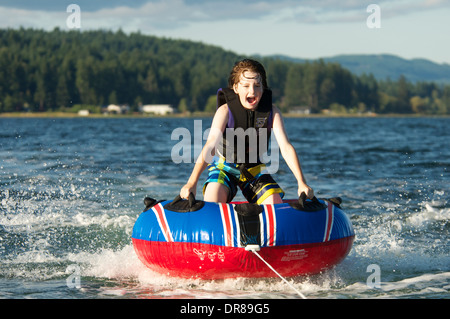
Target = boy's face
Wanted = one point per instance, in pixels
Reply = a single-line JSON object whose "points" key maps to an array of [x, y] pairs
{"points": [[250, 89]]}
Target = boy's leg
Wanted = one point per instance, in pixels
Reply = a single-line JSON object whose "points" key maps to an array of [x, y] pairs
{"points": [[215, 192], [262, 190], [273, 199]]}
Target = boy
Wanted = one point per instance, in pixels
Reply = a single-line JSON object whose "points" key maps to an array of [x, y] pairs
{"points": [[245, 106]]}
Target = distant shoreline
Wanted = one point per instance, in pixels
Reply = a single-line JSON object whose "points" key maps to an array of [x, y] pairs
{"points": [[200, 114]]}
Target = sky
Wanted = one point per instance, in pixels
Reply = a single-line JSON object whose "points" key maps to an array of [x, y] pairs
{"points": [[303, 28]]}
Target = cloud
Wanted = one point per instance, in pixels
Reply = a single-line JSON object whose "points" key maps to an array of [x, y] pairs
{"points": [[128, 15], [151, 15], [144, 14], [348, 11], [58, 5]]}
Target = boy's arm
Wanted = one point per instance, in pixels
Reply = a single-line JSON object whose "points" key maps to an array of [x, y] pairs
{"points": [[289, 154], [217, 127]]}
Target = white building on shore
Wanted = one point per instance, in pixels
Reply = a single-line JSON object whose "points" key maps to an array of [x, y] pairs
{"points": [[116, 109], [158, 109]]}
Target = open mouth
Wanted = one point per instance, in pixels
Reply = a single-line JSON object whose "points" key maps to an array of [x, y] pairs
{"points": [[251, 100]]}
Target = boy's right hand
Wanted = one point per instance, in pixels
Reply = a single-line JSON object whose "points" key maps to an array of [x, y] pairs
{"points": [[187, 189]]}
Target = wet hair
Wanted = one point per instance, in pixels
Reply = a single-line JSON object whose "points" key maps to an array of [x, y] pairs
{"points": [[243, 66]]}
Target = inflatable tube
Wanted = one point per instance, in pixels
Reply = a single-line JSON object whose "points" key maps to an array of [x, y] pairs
{"points": [[197, 239]]}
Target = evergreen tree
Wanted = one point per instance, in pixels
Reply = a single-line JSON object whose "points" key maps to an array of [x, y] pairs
{"points": [[41, 71]]}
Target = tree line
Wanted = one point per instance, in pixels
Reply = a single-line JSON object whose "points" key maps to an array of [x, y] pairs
{"points": [[66, 70]]}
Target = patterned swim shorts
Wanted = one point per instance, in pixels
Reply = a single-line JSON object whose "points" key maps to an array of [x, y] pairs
{"points": [[255, 184]]}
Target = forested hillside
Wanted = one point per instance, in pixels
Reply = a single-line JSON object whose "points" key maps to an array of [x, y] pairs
{"points": [[384, 66], [62, 70]]}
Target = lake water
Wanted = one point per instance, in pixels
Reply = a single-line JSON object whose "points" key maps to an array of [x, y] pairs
{"points": [[71, 190]]}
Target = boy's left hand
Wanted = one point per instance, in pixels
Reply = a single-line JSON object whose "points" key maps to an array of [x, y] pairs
{"points": [[307, 190]]}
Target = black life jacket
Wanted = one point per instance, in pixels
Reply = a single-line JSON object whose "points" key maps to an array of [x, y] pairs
{"points": [[254, 127]]}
